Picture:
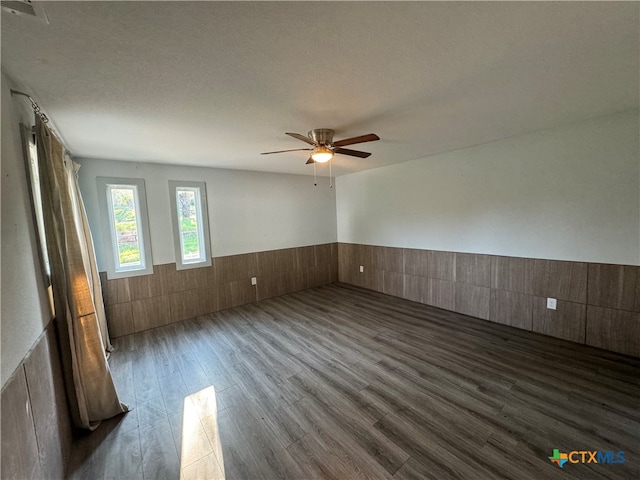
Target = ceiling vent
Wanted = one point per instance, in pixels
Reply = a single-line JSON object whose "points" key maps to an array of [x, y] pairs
{"points": [[24, 8]]}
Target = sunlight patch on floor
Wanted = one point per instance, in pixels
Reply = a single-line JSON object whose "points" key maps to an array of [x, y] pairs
{"points": [[201, 450]]}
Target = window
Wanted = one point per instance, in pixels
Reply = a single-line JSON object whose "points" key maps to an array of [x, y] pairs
{"points": [[35, 194], [127, 240], [190, 224], [33, 174]]}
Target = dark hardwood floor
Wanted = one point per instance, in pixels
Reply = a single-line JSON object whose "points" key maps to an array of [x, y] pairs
{"points": [[341, 382]]}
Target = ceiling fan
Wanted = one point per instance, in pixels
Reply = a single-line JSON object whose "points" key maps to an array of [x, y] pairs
{"points": [[324, 147]]}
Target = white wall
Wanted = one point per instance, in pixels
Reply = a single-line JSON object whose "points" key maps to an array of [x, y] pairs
{"points": [[570, 193], [24, 310], [248, 211]]}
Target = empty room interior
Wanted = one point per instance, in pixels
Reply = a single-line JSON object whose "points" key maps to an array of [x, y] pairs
{"points": [[320, 240]]}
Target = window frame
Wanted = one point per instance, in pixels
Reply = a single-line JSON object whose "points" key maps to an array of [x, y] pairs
{"points": [[32, 170], [202, 209], [35, 197], [109, 236]]}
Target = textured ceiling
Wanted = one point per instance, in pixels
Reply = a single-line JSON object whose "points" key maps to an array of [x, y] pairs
{"points": [[216, 83]]}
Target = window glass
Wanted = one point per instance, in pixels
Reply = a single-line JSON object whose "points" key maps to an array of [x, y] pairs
{"points": [[33, 174], [32, 154], [190, 224], [191, 233], [126, 227]]}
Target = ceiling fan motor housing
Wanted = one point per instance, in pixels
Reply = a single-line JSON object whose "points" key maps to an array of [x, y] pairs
{"points": [[321, 136]]}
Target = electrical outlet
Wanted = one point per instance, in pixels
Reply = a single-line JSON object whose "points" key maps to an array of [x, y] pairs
{"points": [[552, 303], [361, 268], [254, 281]]}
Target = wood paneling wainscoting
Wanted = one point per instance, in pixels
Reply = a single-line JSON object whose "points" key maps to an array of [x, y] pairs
{"points": [[597, 304], [36, 428], [136, 304]]}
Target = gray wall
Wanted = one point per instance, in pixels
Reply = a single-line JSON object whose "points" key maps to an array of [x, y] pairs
{"points": [[248, 211], [25, 312], [570, 193]]}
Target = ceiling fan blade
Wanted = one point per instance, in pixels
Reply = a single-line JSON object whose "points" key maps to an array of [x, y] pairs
{"points": [[304, 138], [353, 153], [369, 137], [310, 161], [282, 151]]}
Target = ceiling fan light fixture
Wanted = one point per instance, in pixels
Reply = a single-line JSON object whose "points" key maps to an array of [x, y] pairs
{"points": [[322, 154], [323, 148]]}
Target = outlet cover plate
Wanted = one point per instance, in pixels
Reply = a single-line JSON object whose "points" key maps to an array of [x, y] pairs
{"points": [[552, 303]]}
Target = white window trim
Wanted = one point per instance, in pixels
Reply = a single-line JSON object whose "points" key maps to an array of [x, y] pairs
{"points": [[173, 185], [35, 197], [107, 228]]}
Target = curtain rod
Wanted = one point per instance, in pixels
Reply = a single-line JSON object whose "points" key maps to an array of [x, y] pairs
{"points": [[34, 105]]}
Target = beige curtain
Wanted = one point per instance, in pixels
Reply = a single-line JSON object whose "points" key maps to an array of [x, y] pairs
{"points": [[88, 253], [76, 288]]}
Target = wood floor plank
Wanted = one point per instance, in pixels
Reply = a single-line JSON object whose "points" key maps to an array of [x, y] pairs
{"points": [[273, 460], [348, 429], [314, 462], [190, 437], [334, 445], [159, 457], [264, 385], [337, 398], [238, 460], [281, 423], [339, 382], [433, 457], [206, 468], [144, 369]]}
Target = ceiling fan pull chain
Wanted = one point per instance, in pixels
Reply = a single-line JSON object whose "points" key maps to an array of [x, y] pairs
{"points": [[315, 178], [330, 177]]}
